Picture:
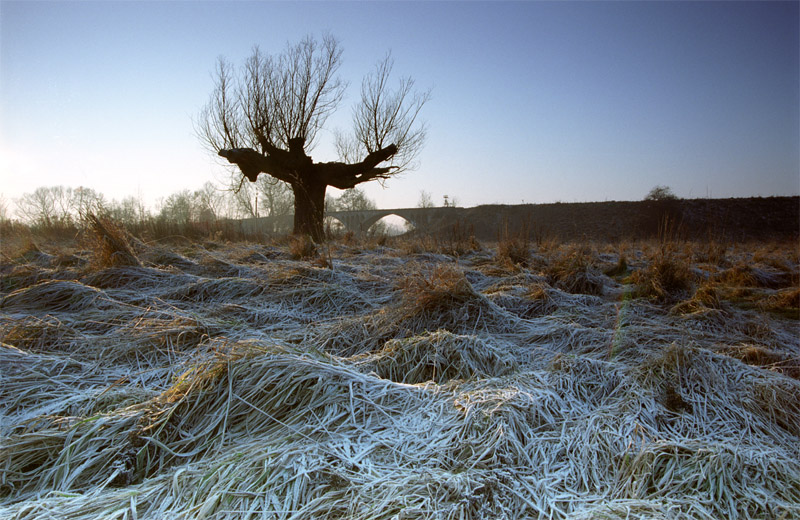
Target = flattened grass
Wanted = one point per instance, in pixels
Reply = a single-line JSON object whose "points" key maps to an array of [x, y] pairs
{"points": [[238, 385]]}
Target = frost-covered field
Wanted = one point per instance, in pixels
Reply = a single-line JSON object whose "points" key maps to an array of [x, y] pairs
{"points": [[231, 381]]}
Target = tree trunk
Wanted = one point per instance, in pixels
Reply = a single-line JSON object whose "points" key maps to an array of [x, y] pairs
{"points": [[309, 208]]}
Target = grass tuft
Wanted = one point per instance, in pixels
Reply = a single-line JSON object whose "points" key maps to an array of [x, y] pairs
{"points": [[573, 271], [302, 247], [442, 287], [666, 278]]}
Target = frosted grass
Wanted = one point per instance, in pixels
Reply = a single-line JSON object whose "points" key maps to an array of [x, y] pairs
{"points": [[385, 388]]}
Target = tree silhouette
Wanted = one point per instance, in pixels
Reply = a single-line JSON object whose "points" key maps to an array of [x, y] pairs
{"points": [[264, 118], [661, 192]]}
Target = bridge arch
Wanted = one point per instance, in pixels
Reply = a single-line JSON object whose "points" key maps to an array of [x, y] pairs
{"points": [[420, 218], [334, 223], [373, 219], [392, 223]]}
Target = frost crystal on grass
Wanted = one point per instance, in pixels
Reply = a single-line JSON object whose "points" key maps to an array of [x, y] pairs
{"points": [[389, 385]]}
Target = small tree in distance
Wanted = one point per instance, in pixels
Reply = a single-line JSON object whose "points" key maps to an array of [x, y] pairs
{"points": [[661, 193], [264, 118], [425, 200]]}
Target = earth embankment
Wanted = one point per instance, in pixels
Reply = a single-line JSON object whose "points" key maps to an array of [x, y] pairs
{"points": [[735, 219]]}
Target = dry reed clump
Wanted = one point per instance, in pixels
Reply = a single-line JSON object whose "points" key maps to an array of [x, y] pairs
{"points": [[441, 288], [415, 244], [534, 300], [212, 266], [111, 247], [711, 252], [438, 356], [778, 255], [666, 278], [706, 297], [574, 271], [151, 334], [619, 269], [761, 356], [458, 240], [786, 302], [454, 241], [514, 251], [746, 275], [430, 299], [443, 298], [302, 247]]}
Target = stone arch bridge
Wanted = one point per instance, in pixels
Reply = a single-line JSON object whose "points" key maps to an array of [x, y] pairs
{"points": [[360, 221]]}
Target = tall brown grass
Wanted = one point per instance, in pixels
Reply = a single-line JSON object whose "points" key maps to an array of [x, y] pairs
{"points": [[110, 244], [513, 248], [442, 287]]}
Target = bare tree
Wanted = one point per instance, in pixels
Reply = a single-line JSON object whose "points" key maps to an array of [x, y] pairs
{"points": [[384, 117], [425, 200], [3, 209], [354, 199], [86, 201], [130, 210], [264, 118], [661, 192], [46, 206], [180, 208], [209, 200], [276, 197], [267, 197]]}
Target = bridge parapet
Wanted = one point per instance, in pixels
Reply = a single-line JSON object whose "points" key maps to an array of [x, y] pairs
{"points": [[420, 218]]}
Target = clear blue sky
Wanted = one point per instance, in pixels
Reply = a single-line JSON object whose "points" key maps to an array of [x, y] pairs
{"points": [[532, 101]]}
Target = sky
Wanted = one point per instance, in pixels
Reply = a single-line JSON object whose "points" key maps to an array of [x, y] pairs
{"points": [[532, 102]]}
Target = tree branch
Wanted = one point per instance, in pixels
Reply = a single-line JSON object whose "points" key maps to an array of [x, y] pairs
{"points": [[251, 163], [343, 176]]}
